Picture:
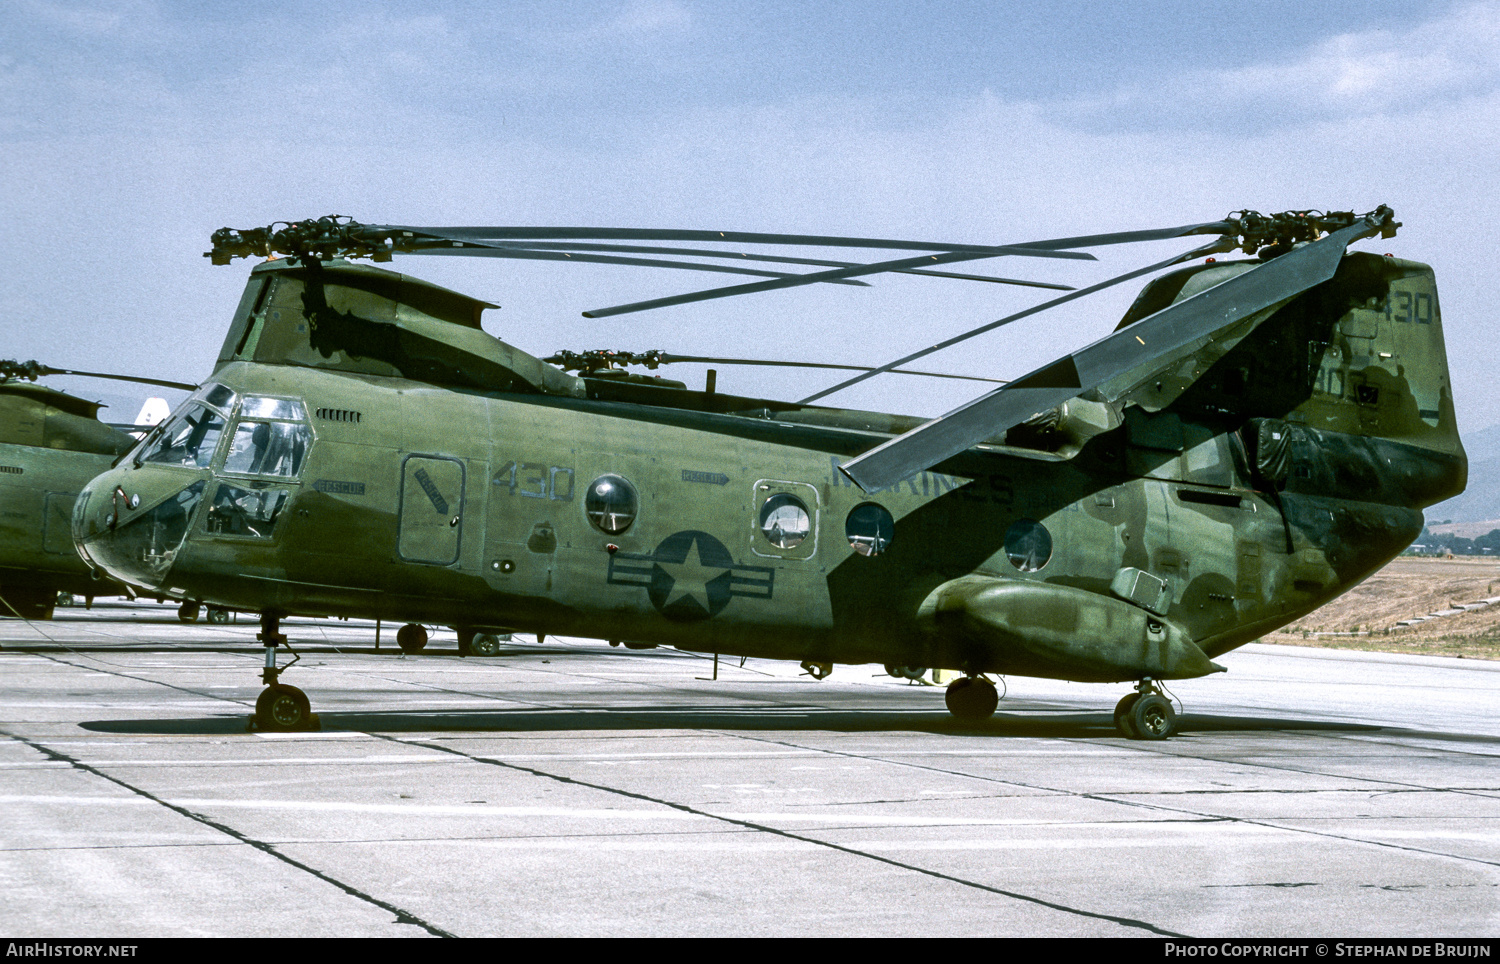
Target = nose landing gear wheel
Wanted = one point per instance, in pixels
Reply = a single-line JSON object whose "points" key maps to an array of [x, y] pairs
{"points": [[282, 709], [971, 698], [218, 615], [412, 638], [815, 670]]}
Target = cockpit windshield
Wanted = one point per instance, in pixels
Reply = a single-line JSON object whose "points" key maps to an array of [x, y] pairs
{"points": [[189, 438], [191, 434]]}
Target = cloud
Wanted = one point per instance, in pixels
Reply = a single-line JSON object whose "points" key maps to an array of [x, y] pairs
{"points": [[1368, 73]]}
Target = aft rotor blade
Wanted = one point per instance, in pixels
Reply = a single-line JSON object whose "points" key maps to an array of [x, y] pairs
{"points": [[707, 360], [804, 279], [1220, 245], [773, 259], [1154, 337]]}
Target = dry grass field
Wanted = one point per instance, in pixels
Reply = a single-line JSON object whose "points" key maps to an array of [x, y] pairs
{"points": [[1366, 616]]}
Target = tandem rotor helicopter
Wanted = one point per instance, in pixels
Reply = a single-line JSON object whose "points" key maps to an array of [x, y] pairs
{"points": [[51, 444], [1255, 437]]}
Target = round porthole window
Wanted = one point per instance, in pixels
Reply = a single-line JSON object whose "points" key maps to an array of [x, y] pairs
{"points": [[1028, 544], [784, 521], [869, 529], [611, 504]]}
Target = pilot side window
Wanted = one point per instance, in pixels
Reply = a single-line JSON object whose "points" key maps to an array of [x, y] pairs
{"points": [[267, 448], [263, 444]]}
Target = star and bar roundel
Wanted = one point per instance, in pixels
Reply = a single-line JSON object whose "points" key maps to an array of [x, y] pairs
{"points": [[690, 576]]}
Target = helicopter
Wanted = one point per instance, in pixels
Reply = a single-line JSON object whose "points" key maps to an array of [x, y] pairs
{"points": [[1255, 436], [51, 444]]}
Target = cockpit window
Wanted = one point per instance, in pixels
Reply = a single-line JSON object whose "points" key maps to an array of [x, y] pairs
{"points": [[246, 512], [267, 448], [258, 406], [189, 438], [218, 396]]}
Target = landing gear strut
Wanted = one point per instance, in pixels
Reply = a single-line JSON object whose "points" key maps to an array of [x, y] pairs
{"points": [[280, 708], [815, 670], [972, 698], [1146, 714]]}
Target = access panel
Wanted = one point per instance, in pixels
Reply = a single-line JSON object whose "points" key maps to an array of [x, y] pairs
{"points": [[432, 506]]}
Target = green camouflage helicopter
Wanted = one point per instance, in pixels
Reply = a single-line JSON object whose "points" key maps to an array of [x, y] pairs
{"points": [[1254, 438], [51, 445]]}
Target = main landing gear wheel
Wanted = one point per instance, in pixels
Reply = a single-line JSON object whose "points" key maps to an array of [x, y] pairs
{"points": [[188, 612], [1146, 714], [1152, 717], [412, 638], [1122, 713], [218, 615], [972, 698], [282, 709]]}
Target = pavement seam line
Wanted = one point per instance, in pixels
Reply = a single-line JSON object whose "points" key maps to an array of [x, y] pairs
{"points": [[402, 916], [1116, 799], [763, 828]]}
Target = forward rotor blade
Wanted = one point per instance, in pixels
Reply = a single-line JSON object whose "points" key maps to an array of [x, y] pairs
{"points": [[1220, 245], [1151, 338], [1045, 249], [707, 360], [474, 249]]}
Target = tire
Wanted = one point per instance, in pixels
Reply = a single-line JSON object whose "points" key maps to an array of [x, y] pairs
{"points": [[1152, 718], [487, 644], [282, 709], [188, 612], [971, 699], [1122, 715], [412, 638], [218, 615]]}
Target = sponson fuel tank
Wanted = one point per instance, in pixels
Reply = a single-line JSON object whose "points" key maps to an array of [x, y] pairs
{"points": [[989, 625]]}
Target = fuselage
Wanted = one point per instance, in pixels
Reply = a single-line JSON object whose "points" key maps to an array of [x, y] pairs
{"points": [[728, 534]]}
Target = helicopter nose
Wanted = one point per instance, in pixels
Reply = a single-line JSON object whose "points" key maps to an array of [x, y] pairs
{"points": [[131, 523]]}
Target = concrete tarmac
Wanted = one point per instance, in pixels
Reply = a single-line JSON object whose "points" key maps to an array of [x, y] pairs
{"points": [[568, 788]]}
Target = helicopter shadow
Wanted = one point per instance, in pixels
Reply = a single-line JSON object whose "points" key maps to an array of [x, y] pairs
{"points": [[1091, 725]]}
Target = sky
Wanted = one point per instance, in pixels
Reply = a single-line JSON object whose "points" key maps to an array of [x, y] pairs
{"points": [[129, 131]]}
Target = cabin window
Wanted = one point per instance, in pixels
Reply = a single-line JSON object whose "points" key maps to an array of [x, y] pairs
{"points": [[611, 504], [784, 521], [188, 439], [246, 512], [869, 529], [1028, 545]]}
